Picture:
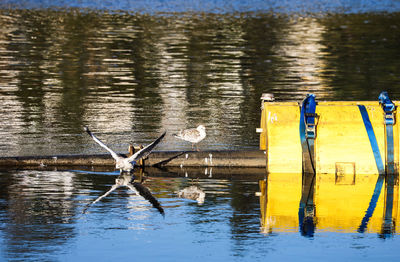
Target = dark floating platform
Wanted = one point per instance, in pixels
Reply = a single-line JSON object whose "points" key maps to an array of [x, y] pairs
{"points": [[232, 159]]}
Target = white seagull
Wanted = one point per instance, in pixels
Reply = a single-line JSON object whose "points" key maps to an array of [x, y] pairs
{"points": [[193, 135], [126, 164]]}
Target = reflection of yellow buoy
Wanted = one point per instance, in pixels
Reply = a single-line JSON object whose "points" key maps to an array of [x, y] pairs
{"points": [[339, 205]]}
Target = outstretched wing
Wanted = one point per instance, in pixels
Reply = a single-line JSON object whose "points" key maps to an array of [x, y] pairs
{"points": [[144, 152], [113, 154], [146, 194]]}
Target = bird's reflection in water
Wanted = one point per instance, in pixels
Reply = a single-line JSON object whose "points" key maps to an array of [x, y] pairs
{"points": [[128, 179], [194, 193]]}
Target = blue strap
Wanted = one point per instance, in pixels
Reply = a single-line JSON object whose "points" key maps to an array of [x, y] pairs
{"points": [[372, 139], [379, 165], [307, 132], [389, 108], [389, 149], [307, 117], [387, 105]]}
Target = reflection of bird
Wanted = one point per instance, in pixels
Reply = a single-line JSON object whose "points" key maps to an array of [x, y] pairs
{"points": [[193, 135], [126, 164], [127, 180], [194, 193]]}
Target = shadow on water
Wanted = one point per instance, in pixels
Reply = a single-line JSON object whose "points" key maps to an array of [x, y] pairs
{"points": [[329, 203]]}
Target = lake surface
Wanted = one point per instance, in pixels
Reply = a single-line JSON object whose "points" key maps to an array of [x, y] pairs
{"points": [[41, 218], [129, 76], [130, 70]]}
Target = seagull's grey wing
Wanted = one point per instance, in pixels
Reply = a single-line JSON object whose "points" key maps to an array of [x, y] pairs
{"points": [[113, 154], [101, 197], [188, 134], [147, 150], [191, 134], [146, 194]]}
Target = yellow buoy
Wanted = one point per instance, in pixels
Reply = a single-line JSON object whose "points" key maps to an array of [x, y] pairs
{"points": [[342, 145]]}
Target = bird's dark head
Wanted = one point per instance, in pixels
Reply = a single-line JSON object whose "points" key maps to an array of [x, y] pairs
{"points": [[86, 129]]}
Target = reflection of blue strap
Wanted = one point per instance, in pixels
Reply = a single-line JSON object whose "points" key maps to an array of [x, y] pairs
{"points": [[94, 172], [307, 132], [389, 108], [372, 139], [379, 165], [372, 203]]}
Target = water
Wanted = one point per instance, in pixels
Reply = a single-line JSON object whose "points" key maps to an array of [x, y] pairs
{"points": [[131, 76], [130, 70], [41, 219]]}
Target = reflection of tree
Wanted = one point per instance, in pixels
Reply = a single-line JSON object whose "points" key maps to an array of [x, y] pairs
{"points": [[261, 67], [121, 72], [37, 215], [245, 218], [148, 72], [261, 64], [76, 59], [46, 54], [143, 52], [31, 43], [228, 56], [361, 60]]}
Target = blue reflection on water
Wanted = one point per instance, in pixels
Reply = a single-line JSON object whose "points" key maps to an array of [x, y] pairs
{"points": [[112, 173], [216, 6]]}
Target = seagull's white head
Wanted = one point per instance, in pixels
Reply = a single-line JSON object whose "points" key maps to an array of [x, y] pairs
{"points": [[201, 128]]}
